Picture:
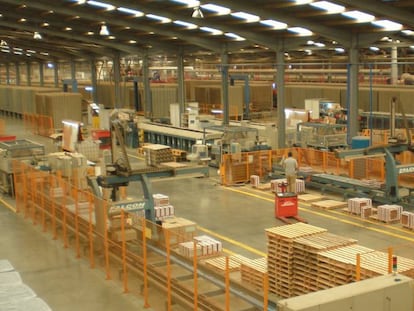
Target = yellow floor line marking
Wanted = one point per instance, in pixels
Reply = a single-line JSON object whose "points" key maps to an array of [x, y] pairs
{"points": [[10, 207], [361, 225], [234, 242]]}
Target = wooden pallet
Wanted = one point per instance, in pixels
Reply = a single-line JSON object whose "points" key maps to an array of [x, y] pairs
{"points": [[219, 263], [309, 198], [329, 204]]}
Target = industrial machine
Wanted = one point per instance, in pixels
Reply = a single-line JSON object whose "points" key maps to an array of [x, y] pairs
{"points": [[321, 135], [21, 150]]}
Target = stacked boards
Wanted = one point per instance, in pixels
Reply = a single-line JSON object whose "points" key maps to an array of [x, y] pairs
{"points": [[303, 258]]}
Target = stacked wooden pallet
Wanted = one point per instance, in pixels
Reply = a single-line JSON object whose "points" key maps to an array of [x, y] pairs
{"points": [[355, 205], [329, 204], [280, 261], [156, 154], [219, 263], [407, 220], [307, 274], [388, 213], [254, 271]]}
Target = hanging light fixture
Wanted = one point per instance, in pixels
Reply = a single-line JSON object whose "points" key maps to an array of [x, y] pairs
{"points": [[197, 13], [3, 43], [37, 36], [104, 30]]}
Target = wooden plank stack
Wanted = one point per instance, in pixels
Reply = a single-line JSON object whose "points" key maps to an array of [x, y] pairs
{"points": [[355, 205], [407, 220], [253, 272], [219, 263], [307, 273], [329, 204], [156, 154], [388, 213], [280, 257]]}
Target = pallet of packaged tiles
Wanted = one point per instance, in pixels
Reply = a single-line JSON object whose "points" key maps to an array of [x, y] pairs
{"points": [[254, 271], [219, 263], [163, 211], [368, 211], [160, 199], [388, 213], [309, 198], [355, 204], [299, 185], [407, 219], [254, 181], [209, 246], [329, 204]]}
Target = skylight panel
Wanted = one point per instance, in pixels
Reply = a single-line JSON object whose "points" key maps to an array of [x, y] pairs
{"points": [[249, 18], [387, 24], [213, 31], [220, 10], [186, 24], [234, 36], [359, 16], [300, 31], [329, 7], [189, 3], [274, 24], [102, 5], [131, 11], [161, 19]]}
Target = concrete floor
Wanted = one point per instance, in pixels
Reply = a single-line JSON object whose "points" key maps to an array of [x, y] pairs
{"points": [[235, 215]]}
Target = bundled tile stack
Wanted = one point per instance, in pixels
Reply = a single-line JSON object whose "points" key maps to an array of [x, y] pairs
{"points": [[280, 259], [274, 185], [407, 220], [162, 206], [355, 205], [389, 212], [254, 181], [205, 245]]}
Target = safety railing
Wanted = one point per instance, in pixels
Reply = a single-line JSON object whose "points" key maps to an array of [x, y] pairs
{"points": [[237, 168]]}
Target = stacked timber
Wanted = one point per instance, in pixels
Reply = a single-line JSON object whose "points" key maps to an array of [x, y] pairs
{"points": [[254, 271], [280, 259], [220, 263], [156, 154], [307, 276]]}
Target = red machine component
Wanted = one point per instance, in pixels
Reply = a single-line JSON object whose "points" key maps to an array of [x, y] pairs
{"points": [[104, 136]]}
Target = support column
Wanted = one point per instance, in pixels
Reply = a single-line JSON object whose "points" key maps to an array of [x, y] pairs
{"points": [[180, 81], [352, 98], [94, 81], [394, 65], [29, 73], [73, 70], [41, 74], [117, 79], [225, 86], [280, 88], [7, 74], [17, 73], [56, 73], [147, 87]]}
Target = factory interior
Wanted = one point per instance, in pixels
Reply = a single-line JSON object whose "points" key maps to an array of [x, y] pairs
{"points": [[144, 149]]}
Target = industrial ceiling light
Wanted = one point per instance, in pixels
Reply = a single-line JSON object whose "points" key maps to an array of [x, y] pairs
{"points": [[104, 31], [3, 43], [197, 13], [37, 36]]}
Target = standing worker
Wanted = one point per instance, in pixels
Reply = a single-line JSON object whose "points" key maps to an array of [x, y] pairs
{"points": [[291, 167]]}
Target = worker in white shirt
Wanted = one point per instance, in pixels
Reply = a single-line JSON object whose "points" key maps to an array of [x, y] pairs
{"points": [[291, 168]]}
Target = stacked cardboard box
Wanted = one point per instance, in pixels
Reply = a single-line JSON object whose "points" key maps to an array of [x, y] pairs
{"points": [[389, 212], [162, 206], [407, 219], [156, 154]]}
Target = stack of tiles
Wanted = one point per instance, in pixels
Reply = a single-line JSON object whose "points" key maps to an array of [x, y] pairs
{"points": [[274, 185], [389, 212], [407, 220], [280, 257], [307, 276], [254, 181], [162, 206], [206, 246], [356, 204]]}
